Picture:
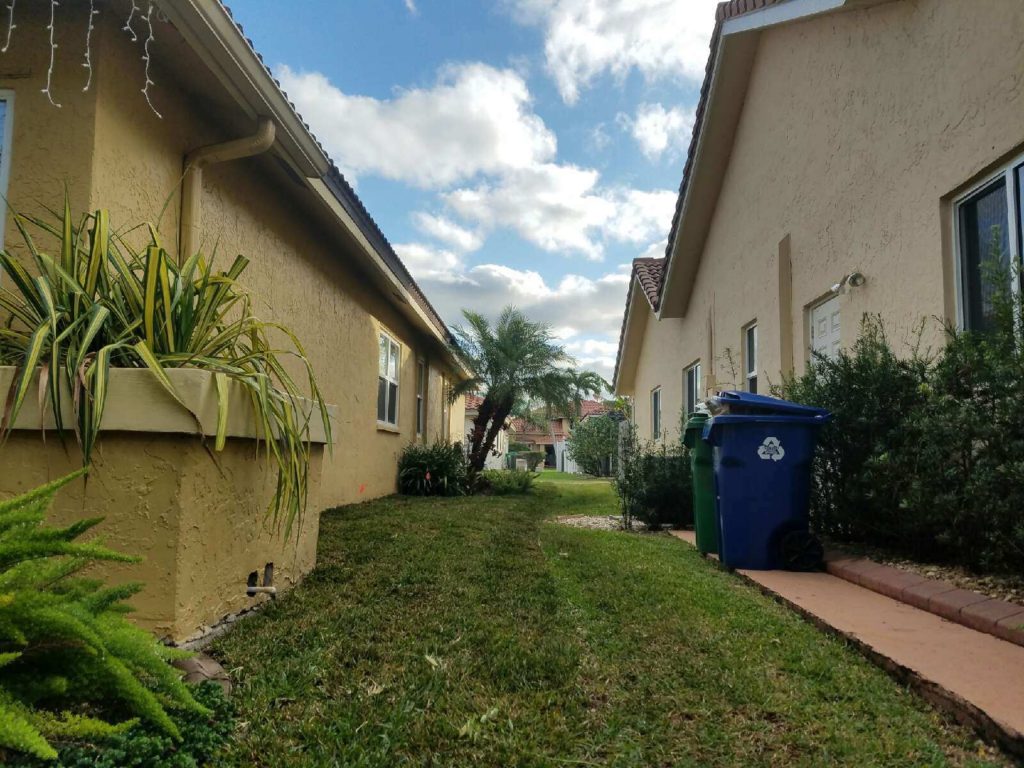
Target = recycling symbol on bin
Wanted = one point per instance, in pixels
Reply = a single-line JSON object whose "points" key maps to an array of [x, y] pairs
{"points": [[771, 449]]}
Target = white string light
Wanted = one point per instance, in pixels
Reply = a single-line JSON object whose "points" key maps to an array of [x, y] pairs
{"points": [[128, 24], [88, 40], [10, 25], [53, 52], [145, 58]]}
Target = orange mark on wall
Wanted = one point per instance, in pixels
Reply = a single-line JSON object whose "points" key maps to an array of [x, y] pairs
{"points": [[362, 487]]}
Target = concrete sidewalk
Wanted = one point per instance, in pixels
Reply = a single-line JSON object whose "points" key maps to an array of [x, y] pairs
{"points": [[975, 676]]}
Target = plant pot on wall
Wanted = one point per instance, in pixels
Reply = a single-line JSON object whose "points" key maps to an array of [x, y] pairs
{"points": [[199, 519]]}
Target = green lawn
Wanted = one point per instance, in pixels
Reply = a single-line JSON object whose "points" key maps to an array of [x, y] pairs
{"points": [[471, 632]]}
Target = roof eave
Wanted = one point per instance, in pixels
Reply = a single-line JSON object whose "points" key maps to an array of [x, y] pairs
{"points": [[733, 49]]}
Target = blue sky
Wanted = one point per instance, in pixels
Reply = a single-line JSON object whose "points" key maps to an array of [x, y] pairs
{"points": [[513, 151]]}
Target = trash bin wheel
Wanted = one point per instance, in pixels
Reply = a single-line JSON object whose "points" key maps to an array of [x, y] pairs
{"points": [[800, 550]]}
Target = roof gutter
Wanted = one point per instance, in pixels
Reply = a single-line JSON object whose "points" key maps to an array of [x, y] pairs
{"points": [[192, 186]]}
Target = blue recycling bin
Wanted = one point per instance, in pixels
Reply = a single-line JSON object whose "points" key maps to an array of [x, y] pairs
{"points": [[763, 450]]}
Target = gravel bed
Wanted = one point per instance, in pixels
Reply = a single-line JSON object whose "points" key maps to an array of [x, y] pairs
{"points": [[602, 523]]}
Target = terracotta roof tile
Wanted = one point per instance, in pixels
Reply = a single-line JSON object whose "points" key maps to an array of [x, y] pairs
{"points": [[649, 273], [473, 402]]}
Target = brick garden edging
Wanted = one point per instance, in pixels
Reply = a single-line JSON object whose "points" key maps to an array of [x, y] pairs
{"points": [[1000, 618]]}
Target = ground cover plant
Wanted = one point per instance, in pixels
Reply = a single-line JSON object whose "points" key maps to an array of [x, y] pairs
{"points": [[473, 631]]}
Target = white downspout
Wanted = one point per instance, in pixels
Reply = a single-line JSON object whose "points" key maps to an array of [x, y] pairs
{"points": [[192, 186]]}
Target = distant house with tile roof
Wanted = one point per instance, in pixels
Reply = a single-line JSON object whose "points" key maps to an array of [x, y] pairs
{"points": [[847, 157]]}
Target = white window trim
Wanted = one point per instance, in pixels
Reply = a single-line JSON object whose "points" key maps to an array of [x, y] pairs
{"points": [[397, 381], [5, 166], [656, 414], [1006, 173], [421, 396], [697, 385], [749, 371]]}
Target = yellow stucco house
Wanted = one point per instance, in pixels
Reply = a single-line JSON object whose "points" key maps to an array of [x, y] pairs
{"points": [[848, 157], [228, 163]]}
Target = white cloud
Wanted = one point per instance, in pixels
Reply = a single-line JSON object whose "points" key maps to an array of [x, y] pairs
{"points": [[657, 129], [429, 263], [561, 208], [587, 38], [448, 232], [410, 5], [474, 119], [585, 313]]}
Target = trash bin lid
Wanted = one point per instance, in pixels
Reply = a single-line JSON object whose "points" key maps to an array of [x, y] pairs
{"points": [[713, 428], [737, 402]]}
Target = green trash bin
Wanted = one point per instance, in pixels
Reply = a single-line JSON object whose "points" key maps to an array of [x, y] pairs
{"points": [[702, 464]]}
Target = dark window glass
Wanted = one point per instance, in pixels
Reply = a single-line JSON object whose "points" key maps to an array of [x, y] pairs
{"points": [[392, 403], [656, 413], [984, 248], [382, 396]]}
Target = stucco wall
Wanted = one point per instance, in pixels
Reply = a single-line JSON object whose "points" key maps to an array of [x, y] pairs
{"points": [[51, 147], [199, 526], [659, 366], [857, 130]]}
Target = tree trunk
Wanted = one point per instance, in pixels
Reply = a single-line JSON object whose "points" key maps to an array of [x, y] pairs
{"points": [[488, 422]]}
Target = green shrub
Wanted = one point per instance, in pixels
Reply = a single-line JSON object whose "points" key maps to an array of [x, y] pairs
{"points": [[433, 470], [870, 391], [926, 458], [534, 459], [593, 445], [71, 666], [504, 482], [655, 484], [143, 746]]}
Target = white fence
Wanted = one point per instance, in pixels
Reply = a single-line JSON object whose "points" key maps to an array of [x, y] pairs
{"points": [[562, 460]]}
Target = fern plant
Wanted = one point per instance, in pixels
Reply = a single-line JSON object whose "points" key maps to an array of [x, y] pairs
{"points": [[98, 302], [71, 666]]}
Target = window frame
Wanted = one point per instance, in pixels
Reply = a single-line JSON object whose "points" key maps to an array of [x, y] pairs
{"points": [[6, 95], [396, 381], [656, 413], [422, 373], [750, 356], [692, 398], [1010, 175]]}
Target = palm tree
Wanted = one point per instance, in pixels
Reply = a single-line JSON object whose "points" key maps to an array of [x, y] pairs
{"points": [[583, 383], [512, 361]]}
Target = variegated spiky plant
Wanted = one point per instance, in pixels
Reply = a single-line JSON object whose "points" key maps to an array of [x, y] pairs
{"points": [[94, 302]]}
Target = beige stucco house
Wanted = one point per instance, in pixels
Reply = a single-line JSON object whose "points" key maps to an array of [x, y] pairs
{"points": [[848, 157], [319, 264]]}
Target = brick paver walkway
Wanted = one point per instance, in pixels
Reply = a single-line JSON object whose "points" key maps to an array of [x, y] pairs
{"points": [[978, 677]]}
